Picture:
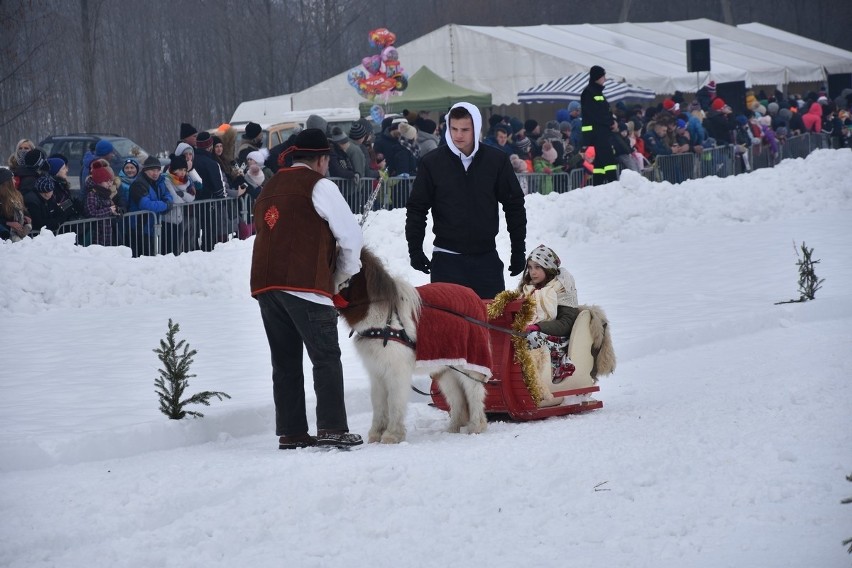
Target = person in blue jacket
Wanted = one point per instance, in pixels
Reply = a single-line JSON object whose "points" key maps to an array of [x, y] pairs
{"points": [[148, 193]]}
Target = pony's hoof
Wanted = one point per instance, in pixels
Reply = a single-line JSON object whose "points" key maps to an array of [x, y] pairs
{"points": [[374, 437], [477, 428], [388, 438], [454, 428]]}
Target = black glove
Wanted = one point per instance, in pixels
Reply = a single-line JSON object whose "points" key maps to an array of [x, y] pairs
{"points": [[517, 263], [420, 262], [180, 192]]}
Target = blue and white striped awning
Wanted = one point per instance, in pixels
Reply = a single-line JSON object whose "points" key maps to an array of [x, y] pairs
{"points": [[570, 87]]}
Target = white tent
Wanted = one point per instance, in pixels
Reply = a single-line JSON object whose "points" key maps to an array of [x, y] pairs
{"points": [[506, 60]]}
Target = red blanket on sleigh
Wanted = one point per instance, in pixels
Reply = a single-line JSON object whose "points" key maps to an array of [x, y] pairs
{"points": [[447, 339]]}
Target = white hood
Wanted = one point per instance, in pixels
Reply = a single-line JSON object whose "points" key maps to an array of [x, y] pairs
{"points": [[477, 129]]}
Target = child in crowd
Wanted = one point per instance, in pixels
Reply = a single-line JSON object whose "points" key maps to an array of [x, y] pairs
{"points": [[14, 222], [552, 287]]}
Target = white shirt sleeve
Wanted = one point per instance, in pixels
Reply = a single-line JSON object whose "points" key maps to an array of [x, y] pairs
{"points": [[330, 205]]}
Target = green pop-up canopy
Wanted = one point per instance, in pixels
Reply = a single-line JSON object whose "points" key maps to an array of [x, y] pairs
{"points": [[428, 91]]}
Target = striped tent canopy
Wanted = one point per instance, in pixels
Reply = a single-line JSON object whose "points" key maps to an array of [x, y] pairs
{"points": [[570, 87]]}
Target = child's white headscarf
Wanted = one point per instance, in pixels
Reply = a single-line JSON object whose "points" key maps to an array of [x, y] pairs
{"points": [[546, 257]]}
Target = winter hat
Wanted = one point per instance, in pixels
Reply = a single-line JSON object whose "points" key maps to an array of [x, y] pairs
{"points": [[516, 125], [204, 140], [337, 136], [518, 164], [562, 115], [45, 184], [670, 105], [711, 87], [564, 125], [772, 107], [316, 122], [501, 128], [428, 126], [551, 125], [765, 120], [132, 162], [5, 174], [252, 131], [680, 123], [104, 148], [259, 156], [595, 73], [101, 172], [408, 132], [187, 130], [183, 148], [530, 125], [55, 165], [742, 120], [494, 120], [310, 142], [523, 145], [717, 104], [152, 163], [548, 152], [35, 159], [545, 257], [357, 131], [177, 163], [573, 105]]}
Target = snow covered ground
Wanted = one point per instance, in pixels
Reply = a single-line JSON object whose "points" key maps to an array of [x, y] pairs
{"points": [[725, 437]]}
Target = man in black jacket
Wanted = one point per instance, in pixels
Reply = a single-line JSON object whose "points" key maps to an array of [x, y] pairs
{"points": [[462, 183], [598, 127]]}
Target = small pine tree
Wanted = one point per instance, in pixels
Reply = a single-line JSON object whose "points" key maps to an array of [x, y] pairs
{"points": [[808, 281], [174, 378]]}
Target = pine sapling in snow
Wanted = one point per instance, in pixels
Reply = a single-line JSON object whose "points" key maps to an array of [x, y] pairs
{"points": [[808, 281], [174, 378]]}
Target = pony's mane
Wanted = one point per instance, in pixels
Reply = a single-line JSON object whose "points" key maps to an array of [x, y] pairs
{"points": [[373, 285]]}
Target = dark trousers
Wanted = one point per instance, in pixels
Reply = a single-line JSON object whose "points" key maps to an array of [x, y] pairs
{"points": [[606, 166], [290, 324], [481, 272]]}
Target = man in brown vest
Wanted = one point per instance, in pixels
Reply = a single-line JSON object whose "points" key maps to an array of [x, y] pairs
{"points": [[307, 245]]}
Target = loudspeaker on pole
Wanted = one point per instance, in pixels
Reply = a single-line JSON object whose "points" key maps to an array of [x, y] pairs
{"points": [[697, 55]]}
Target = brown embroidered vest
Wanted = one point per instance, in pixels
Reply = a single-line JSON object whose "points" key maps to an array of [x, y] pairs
{"points": [[294, 248]]}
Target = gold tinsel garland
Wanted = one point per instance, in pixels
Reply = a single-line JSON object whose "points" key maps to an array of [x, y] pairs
{"points": [[520, 323]]}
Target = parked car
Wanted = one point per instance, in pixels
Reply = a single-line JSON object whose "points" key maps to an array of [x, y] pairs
{"points": [[74, 147]]}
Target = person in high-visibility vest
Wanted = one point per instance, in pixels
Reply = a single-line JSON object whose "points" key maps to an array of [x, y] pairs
{"points": [[598, 125]]}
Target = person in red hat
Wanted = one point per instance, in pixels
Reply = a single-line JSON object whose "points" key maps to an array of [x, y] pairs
{"points": [[720, 122], [307, 246]]}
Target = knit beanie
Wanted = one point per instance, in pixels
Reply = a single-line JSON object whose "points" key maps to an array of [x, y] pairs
{"points": [[35, 159], [717, 104], [573, 105], [183, 148], [595, 73], [548, 152], [104, 148], [45, 184], [151, 163], [317, 122], [204, 140], [55, 165], [530, 125], [177, 163], [357, 131], [5, 175], [187, 130], [252, 131], [101, 172]]}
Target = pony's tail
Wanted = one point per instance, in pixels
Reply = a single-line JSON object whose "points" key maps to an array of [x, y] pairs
{"points": [[602, 349]]}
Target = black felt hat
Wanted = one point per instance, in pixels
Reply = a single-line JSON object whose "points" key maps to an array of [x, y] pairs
{"points": [[311, 141], [252, 131]]}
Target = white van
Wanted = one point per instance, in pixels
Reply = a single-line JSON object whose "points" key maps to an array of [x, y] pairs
{"points": [[275, 110]]}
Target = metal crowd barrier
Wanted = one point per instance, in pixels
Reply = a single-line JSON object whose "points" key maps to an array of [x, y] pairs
{"points": [[200, 225]]}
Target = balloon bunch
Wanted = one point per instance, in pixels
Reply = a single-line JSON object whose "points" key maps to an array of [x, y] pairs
{"points": [[381, 73]]}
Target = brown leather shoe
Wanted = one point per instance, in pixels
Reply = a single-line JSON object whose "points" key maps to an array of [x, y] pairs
{"points": [[295, 442], [338, 439]]}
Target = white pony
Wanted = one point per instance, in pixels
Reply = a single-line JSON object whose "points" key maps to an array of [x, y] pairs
{"points": [[389, 315]]}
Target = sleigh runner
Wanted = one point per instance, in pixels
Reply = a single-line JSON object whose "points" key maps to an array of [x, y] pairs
{"points": [[508, 393]]}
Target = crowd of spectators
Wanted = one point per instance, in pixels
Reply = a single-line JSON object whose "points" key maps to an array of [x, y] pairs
{"points": [[207, 167]]}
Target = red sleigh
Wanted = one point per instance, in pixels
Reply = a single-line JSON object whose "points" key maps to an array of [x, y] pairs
{"points": [[507, 394]]}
